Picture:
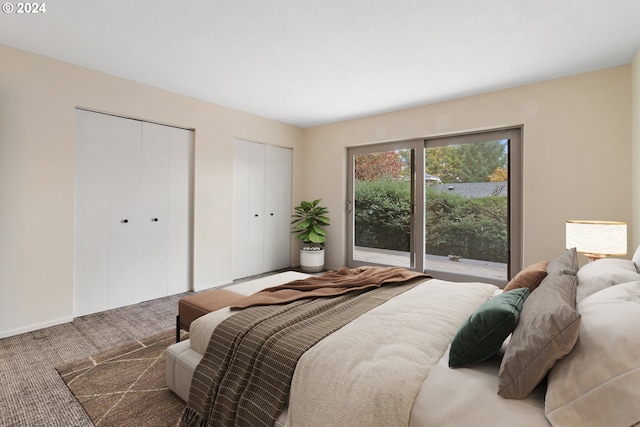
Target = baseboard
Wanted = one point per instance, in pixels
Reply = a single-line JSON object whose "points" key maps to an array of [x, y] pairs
{"points": [[31, 328]]}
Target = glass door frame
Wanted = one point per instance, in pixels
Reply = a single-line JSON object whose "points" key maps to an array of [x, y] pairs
{"points": [[514, 199], [418, 211], [417, 246]]}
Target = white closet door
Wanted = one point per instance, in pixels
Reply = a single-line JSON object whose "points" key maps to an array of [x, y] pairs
{"points": [[277, 199], [133, 210], [240, 209], [126, 213], [91, 214], [248, 209], [256, 209], [154, 220], [180, 207]]}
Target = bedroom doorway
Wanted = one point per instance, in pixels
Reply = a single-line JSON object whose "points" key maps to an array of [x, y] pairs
{"points": [[461, 222]]}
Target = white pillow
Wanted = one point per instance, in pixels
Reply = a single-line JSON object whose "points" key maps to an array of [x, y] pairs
{"points": [[636, 259], [598, 383], [604, 273]]}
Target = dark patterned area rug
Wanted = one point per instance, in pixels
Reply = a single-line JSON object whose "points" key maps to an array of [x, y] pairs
{"points": [[126, 386]]}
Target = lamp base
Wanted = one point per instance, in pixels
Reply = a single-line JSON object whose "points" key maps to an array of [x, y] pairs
{"points": [[595, 257]]}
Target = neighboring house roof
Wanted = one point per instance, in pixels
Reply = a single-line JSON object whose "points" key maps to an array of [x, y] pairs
{"points": [[474, 189]]}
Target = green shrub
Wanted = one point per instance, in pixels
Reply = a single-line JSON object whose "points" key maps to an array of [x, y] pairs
{"points": [[471, 228], [382, 214]]}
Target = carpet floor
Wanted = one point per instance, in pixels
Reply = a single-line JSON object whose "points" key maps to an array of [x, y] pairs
{"points": [[31, 391], [126, 386]]}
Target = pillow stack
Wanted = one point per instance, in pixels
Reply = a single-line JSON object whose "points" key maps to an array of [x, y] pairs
{"points": [[482, 335], [579, 329], [598, 383]]}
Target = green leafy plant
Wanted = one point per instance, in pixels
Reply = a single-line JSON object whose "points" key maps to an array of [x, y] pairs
{"points": [[307, 222]]}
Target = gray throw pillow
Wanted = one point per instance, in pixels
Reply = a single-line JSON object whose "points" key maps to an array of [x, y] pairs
{"points": [[566, 263], [547, 331]]}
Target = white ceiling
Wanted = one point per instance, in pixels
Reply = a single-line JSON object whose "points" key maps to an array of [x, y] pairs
{"points": [[310, 62]]}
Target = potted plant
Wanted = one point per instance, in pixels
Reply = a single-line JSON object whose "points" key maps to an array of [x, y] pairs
{"points": [[307, 223]]}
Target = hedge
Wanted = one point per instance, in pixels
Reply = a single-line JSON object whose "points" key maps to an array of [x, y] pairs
{"points": [[473, 228]]}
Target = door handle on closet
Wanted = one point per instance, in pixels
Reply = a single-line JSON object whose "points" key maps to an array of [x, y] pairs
{"points": [[124, 221], [155, 220]]}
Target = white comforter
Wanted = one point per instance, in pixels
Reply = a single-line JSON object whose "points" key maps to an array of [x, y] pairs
{"points": [[369, 372]]}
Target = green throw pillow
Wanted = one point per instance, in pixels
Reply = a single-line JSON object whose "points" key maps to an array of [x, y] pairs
{"points": [[483, 333]]}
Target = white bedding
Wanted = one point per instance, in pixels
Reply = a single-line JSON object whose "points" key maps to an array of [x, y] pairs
{"points": [[467, 397], [369, 372]]}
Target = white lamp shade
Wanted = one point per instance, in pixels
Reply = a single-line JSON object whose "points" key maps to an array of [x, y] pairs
{"points": [[597, 237]]}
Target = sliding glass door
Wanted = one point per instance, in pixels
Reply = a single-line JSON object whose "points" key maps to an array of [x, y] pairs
{"points": [[382, 205], [460, 221]]}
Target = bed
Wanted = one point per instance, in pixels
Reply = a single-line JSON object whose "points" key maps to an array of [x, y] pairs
{"points": [[558, 346]]}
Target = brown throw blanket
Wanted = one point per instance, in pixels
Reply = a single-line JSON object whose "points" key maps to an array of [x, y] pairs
{"points": [[329, 284], [245, 375]]}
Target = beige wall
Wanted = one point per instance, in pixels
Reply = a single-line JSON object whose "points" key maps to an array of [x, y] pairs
{"points": [[577, 150], [634, 235], [37, 101]]}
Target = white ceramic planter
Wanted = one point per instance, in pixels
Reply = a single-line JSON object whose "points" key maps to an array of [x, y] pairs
{"points": [[311, 261]]}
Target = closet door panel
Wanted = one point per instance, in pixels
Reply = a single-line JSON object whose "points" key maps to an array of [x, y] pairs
{"points": [[255, 254], [154, 221], [126, 216], [277, 184], [240, 244], [180, 208], [91, 213]]}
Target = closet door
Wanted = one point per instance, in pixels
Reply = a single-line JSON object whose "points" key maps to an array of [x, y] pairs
{"points": [[261, 208], [139, 211], [154, 212], [133, 210], [240, 241], [248, 209], [180, 208], [255, 245], [277, 211], [126, 213], [91, 214]]}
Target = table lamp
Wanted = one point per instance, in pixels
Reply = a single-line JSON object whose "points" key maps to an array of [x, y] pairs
{"points": [[597, 239]]}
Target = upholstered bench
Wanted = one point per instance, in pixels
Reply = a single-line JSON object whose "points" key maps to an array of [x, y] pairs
{"points": [[194, 306]]}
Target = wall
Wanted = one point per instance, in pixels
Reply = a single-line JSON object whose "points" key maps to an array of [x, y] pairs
{"points": [[634, 235], [37, 101], [576, 151]]}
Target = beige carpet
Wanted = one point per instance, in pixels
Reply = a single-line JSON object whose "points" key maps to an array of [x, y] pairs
{"points": [[126, 386]]}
